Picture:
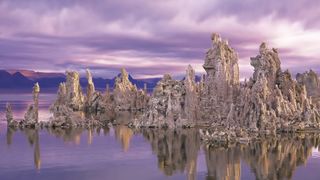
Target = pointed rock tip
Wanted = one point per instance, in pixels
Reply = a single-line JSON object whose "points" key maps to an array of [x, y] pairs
{"points": [[215, 37], [263, 47]]}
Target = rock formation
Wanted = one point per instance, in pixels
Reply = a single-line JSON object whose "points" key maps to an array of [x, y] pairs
{"points": [[221, 82], [173, 103], [126, 95], [311, 80], [9, 116], [74, 96], [272, 101], [67, 109], [90, 88], [31, 117]]}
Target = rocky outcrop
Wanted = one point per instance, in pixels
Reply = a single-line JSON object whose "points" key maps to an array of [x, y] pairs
{"points": [[310, 80], [9, 116], [173, 103], [273, 101], [221, 82], [164, 108], [67, 109], [31, 117], [74, 96], [126, 95], [90, 88]]}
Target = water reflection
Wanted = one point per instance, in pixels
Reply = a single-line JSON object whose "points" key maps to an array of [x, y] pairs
{"points": [[124, 135], [32, 136], [278, 158], [223, 163], [177, 151]]}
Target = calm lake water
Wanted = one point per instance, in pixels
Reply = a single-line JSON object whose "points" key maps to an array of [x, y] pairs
{"points": [[122, 153]]}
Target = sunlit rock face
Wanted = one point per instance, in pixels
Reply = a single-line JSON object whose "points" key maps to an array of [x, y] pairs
{"points": [[177, 150], [221, 82], [311, 80], [126, 95], [67, 109], [31, 117], [90, 88], [74, 96]]}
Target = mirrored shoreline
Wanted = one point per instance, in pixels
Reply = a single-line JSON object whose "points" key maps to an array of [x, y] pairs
{"points": [[177, 151]]}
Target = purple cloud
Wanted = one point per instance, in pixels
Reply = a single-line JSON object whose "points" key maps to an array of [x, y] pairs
{"points": [[150, 38]]}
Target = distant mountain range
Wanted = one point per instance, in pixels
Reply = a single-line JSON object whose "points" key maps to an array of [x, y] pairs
{"points": [[25, 79]]}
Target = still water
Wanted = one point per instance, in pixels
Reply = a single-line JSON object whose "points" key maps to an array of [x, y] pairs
{"points": [[122, 153]]}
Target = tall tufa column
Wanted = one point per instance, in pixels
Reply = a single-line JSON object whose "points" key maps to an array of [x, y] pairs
{"points": [[35, 92]]}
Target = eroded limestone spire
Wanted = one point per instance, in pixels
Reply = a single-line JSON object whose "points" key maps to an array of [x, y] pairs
{"points": [[90, 87]]}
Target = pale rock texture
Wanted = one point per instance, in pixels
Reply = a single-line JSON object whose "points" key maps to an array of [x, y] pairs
{"points": [[126, 95], [90, 88], [221, 81], [191, 102], [9, 116], [74, 97], [173, 103], [67, 109], [31, 117], [311, 80], [272, 101]]}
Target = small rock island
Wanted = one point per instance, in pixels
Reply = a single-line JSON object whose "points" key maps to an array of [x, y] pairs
{"points": [[223, 108]]}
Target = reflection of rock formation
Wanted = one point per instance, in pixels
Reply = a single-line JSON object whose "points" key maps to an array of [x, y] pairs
{"points": [[223, 164], [68, 135], [33, 139], [10, 133], [124, 134], [177, 150], [269, 158], [277, 158]]}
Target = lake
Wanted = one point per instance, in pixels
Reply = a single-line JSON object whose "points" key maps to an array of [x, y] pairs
{"points": [[122, 153]]}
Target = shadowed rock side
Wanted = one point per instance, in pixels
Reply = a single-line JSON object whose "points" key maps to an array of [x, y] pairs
{"points": [[311, 80], [270, 101]]}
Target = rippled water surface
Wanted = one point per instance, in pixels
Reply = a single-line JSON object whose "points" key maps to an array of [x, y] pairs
{"points": [[122, 153]]}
